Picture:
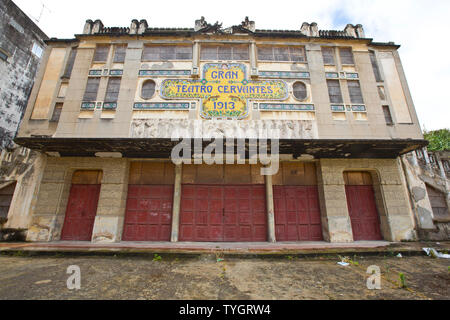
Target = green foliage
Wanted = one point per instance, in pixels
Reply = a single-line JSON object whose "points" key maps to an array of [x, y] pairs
{"points": [[156, 257], [439, 139], [402, 280]]}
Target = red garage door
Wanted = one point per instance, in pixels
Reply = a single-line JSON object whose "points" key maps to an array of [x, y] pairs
{"points": [[361, 206], [297, 213], [82, 206], [149, 213], [223, 213]]}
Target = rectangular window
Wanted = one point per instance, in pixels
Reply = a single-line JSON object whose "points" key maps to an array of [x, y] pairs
{"points": [[381, 93], [112, 91], [166, 52], [119, 54], [387, 115], [328, 55], [346, 56], [354, 89], [56, 112], [334, 91], [90, 94], [376, 69], [224, 52], [295, 54], [70, 63], [101, 53], [37, 50], [3, 56]]}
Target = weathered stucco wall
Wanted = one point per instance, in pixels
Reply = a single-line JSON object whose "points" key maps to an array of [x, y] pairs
{"points": [[18, 35], [49, 212], [396, 218], [420, 177]]}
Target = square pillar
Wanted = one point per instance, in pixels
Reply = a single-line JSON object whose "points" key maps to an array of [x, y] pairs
{"points": [[333, 203], [108, 225], [176, 203]]}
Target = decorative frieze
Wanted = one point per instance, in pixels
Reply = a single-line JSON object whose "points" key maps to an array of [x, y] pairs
{"points": [[238, 129]]}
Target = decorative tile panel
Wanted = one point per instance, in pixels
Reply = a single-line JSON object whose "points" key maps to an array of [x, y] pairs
{"points": [[338, 108], [351, 75], [115, 72], [164, 72], [331, 75], [359, 108], [95, 72], [109, 105], [161, 106], [88, 106], [284, 74], [285, 107]]}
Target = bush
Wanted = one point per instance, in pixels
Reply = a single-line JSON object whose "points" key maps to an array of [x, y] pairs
{"points": [[439, 139]]}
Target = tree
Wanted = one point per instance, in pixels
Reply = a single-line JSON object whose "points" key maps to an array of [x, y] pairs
{"points": [[439, 139]]}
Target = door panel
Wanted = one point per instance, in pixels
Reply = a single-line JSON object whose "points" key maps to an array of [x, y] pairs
{"points": [[363, 212], [297, 213], [81, 211], [229, 213], [149, 213]]}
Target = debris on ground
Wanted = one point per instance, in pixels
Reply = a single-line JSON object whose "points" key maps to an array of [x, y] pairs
{"points": [[433, 253], [399, 255], [344, 264]]}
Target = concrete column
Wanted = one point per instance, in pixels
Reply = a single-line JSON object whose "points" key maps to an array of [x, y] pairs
{"points": [[176, 203], [441, 166], [270, 210]]}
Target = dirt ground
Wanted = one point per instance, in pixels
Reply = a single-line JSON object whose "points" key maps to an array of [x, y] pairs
{"points": [[203, 277]]}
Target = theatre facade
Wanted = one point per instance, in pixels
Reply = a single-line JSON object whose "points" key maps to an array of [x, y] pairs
{"points": [[311, 124]]}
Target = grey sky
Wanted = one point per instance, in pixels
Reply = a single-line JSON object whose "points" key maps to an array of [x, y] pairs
{"points": [[419, 26]]}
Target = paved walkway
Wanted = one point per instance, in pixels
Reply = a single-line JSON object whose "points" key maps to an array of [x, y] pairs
{"points": [[226, 247]]}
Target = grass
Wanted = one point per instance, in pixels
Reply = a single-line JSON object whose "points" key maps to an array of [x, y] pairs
{"points": [[157, 257]]}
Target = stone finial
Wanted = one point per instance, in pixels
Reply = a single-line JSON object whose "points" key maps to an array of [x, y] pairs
{"points": [[249, 25], [98, 26], [310, 30], [314, 30], [143, 25], [360, 31], [134, 26], [350, 31], [305, 28], [200, 24], [88, 27]]}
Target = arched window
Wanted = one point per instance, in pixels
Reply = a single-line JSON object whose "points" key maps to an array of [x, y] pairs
{"points": [[300, 90], [148, 89]]}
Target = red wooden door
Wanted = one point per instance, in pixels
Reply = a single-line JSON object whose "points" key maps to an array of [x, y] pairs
{"points": [[297, 213], [231, 213], [81, 211], [148, 214], [363, 212]]}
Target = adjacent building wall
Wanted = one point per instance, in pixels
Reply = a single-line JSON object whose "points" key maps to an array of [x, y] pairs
{"points": [[21, 48]]}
